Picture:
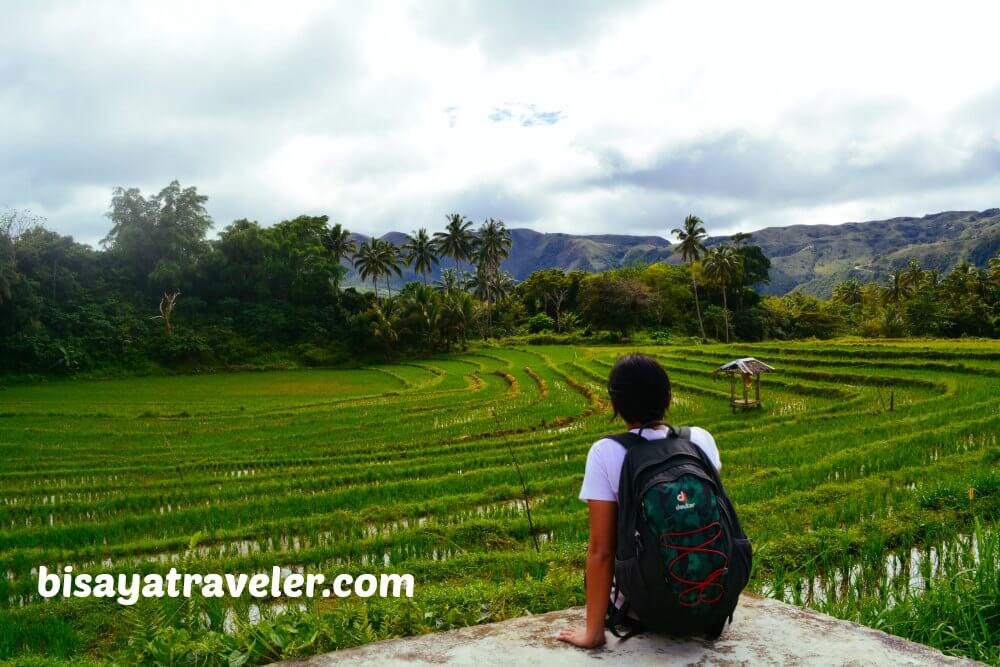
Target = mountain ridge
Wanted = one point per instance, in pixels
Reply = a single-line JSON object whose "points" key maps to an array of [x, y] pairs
{"points": [[811, 258]]}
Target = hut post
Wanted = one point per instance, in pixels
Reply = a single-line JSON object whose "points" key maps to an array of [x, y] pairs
{"points": [[757, 387], [745, 396]]}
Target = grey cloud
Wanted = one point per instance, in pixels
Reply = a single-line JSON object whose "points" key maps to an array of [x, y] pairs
{"points": [[85, 116], [738, 166], [81, 112], [496, 200]]}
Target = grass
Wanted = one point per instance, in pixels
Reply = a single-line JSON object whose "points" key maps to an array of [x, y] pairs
{"points": [[405, 468]]}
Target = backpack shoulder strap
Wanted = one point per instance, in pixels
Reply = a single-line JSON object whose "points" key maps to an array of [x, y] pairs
{"points": [[627, 439]]}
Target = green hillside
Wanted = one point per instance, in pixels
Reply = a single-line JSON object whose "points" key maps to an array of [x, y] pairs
{"points": [[814, 258]]}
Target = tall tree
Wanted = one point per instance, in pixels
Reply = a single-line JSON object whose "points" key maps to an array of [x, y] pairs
{"points": [[897, 287], [457, 240], [419, 252], [690, 237], [299, 267], [493, 246], [913, 276], [739, 238], [724, 267], [389, 261], [547, 288], [338, 243], [158, 240], [368, 262], [849, 292], [450, 281]]}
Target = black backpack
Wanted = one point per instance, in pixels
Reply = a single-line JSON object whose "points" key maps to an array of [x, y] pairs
{"points": [[682, 557]]}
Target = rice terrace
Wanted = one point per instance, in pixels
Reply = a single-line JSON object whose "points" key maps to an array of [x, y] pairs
{"points": [[868, 482]]}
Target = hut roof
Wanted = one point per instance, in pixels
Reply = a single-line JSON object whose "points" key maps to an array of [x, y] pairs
{"points": [[744, 365]]}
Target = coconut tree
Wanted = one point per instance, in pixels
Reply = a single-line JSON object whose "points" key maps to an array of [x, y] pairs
{"points": [[494, 245], [690, 237], [385, 325], [450, 281], [500, 285], [459, 312], [848, 292], [338, 243], [368, 263], [913, 276], [457, 240], [724, 267], [490, 249], [972, 279], [897, 288], [479, 283], [389, 260], [740, 238], [419, 252]]}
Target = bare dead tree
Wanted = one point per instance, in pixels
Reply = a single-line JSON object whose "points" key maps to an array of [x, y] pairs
{"points": [[167, 309], [556, 297], [15, 222]]}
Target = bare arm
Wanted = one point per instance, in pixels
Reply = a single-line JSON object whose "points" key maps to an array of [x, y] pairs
{"points": [[600, 568]]}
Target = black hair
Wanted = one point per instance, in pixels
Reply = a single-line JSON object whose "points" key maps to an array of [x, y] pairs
{"points": [[639, 389]]}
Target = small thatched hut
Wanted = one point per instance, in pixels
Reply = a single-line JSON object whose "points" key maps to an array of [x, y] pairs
{"points": [[749, 369]]}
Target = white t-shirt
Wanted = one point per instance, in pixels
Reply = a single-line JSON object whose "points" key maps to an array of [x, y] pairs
{"points": [[604, 462]]}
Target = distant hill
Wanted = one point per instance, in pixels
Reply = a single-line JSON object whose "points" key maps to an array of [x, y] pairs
{"points": [[812, 258], [531, 250]]}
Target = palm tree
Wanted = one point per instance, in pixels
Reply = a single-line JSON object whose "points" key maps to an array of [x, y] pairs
{"points": [[418, 251], [897, 288], [723, 266], [691, 246], [385, 323], [456, 241], [494, 244], [848, 292], [388, 257], [367, 262], [422, 312], [739, 238], [459, 312], [479, 283], [971, 279], [501, 285], [450, 281], [338, 243], [913, 276]]}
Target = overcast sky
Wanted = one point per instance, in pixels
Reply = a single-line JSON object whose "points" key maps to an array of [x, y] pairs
{"points": [[583, 116]]}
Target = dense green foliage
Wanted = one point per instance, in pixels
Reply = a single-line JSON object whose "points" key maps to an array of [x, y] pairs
{"points": [[407, 468], [162, 295]]}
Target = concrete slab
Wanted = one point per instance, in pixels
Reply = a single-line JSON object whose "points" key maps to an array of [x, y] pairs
{"points": [[765, 632]]}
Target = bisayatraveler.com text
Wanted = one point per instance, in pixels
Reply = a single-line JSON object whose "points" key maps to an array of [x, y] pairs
{"points": [[129, 588]]}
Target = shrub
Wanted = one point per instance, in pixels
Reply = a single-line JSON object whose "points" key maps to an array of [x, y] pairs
{"points": [[541, 322]]}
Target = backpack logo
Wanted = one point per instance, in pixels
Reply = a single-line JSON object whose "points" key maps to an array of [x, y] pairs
{"points": [[683, 504]]}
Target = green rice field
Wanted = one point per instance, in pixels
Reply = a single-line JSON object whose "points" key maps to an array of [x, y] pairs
{"points": [[868, 483]]}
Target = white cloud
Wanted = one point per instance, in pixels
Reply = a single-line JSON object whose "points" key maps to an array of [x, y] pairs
{"points": [[585, 117]]}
